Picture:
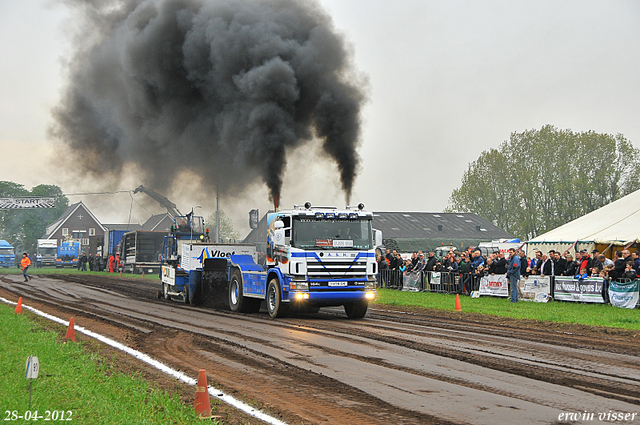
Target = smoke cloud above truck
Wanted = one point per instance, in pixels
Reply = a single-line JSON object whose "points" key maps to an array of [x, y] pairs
{"points": [[223, 89]]}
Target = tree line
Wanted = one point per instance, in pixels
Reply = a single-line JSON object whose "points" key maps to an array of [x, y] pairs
{"points": [[540, 179], [22, 228]]}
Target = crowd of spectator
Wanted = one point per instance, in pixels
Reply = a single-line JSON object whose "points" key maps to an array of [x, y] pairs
{"points": [[471, 264]]}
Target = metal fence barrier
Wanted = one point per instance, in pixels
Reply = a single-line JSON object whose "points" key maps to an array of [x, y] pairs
{"points": [[437, 282]]}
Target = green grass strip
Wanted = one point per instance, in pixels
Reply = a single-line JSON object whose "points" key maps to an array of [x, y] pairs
{"points": [[72, 379], [553, 311]]}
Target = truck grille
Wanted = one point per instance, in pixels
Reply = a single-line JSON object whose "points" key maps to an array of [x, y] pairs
{"points": [[336, 269]]}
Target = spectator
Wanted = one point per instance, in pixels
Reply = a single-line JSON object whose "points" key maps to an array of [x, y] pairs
{"points": [[629, 272], [524, 263], [559, 264], [420, 265], [618, 266], [605, 261], [500, 263], [586, 261], [571, 267], [545, 266], [636, 262], [431, 262], [537, 263], [389, 256], [513, 272], [582, 275], [595, 272]]}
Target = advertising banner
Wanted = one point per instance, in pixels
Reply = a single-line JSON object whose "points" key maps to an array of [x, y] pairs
{"points": [[26, 203], [587, 290], [494, 285], [536, 288], [624, 295]]}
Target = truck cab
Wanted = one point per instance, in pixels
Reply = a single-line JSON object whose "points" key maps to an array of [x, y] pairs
{"points": [[7, 254], [321, 256], [47, 252]]}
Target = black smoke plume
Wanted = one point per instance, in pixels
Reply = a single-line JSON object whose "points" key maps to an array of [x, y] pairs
{"points": [[223, 88]]}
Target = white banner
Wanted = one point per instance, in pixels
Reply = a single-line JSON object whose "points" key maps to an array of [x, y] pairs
{"points": [[624, 295], [494, 285], [26, 203], [536, 288], [587, 290]]}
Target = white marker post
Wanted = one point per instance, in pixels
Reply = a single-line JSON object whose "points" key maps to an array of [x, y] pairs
{"points": [[33, 367]]}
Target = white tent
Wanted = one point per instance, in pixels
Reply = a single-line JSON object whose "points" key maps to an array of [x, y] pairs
{"points": [[617, 223]]}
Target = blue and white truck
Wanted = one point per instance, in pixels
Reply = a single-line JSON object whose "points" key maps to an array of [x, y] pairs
{"points": [[7, 254], [316, 257]]}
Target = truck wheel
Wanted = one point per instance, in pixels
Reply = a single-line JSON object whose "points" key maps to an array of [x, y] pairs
{"points": [[237, 301], [356, 310], [275, 306], [186, 295]]}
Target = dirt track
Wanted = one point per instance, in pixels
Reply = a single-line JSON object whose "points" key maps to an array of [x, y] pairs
{"points": [[393, 367]]}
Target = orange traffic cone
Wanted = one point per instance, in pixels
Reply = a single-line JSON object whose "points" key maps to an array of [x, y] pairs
{"points": [[143, 274], [120, 273], [458, 308], [71, 332], [202, 405], [18, 309]]}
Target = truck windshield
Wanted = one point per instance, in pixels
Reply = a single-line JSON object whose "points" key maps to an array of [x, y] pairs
{"points": [[6, 251], [47, 251], [332, 234]]}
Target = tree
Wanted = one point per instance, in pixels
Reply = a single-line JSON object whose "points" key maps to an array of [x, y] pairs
{"points": [[22, 228], [540, 179], [227, 231]]}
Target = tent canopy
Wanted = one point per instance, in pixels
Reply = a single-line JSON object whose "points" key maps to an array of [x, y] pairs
{"points": [[617, 221]]}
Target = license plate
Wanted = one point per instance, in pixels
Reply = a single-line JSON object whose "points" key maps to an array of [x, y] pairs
{"points": [[338, 284]]}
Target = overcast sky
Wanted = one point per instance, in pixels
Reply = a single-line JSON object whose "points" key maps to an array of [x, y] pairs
{"points": [[447, 80]]}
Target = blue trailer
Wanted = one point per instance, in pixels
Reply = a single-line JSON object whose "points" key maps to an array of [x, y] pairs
{"points": [[68, 254], [316, 257], [7, 254]]}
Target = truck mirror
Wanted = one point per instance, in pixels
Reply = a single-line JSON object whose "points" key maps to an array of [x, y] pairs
{"points": [[377, 237], [278, 224]]}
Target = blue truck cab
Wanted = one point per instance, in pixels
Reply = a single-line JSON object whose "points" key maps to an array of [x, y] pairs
{"points": [[7, 254]]}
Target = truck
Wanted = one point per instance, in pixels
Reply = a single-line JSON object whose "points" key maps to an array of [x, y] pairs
{"points": [[500, 245], [316, 257], [68, 254], [46, 252], [139, 251], [7, 254]]}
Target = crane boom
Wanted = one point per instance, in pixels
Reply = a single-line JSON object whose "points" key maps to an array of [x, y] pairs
{"points": [[170, 206]]}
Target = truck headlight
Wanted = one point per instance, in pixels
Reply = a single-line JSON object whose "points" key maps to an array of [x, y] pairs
{"points": [[299, 285], [370, 284]]}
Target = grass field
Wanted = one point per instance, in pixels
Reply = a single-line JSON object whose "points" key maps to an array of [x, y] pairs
{"points": [[74, 382], [553, 311], [53, 270]]}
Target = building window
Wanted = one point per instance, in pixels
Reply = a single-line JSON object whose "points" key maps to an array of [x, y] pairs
{"points": [[92, 231], [65, 231]]}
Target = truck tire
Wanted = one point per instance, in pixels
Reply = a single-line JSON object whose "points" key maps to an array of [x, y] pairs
{"points": [[237, 301], [356, 310], [275, 306]]}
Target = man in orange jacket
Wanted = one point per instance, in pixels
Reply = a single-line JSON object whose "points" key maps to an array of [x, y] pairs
{"points": [[25, 263]]}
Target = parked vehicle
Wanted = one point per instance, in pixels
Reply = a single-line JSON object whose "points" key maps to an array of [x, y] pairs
{"points": [[140, 251], [68, 254], [46, 252], [7, 254]]}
